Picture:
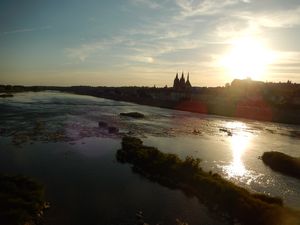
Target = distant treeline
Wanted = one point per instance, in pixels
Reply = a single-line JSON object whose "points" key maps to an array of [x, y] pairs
{"points": [[277, 102]]}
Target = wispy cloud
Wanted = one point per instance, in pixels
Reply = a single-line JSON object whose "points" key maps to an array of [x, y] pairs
{"points": [[287, 66], [249, 23], [229, 29], [142, 44], [24, 30], [206, 7], [288, 57], [201, 29], [272, 19], [85, 50], [148, 3]]}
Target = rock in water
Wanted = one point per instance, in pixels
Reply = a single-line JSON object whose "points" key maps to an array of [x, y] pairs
{"points": [[113, 130], [133, 115], [102, 124]]}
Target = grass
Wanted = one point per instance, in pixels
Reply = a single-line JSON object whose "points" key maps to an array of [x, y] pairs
{"points": [[21, 200], [282, 163], [217, 193]]}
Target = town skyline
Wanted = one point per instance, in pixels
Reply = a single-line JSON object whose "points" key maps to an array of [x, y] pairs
{"points": [[145, 42]]}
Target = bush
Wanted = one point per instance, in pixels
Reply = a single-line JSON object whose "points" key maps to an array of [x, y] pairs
{"points": [[282, 163], [133, 115], [21, 200]]}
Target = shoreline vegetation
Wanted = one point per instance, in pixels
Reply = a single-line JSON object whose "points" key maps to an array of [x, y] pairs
{"points": [[282, 163], [274, 102], [21, 200], [233, 202]]}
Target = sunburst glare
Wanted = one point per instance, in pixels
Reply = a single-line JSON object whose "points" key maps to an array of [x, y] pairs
{"points": [[248, 57]]}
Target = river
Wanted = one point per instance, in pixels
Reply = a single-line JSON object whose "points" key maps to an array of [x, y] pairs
{"points": [[54, 137]]}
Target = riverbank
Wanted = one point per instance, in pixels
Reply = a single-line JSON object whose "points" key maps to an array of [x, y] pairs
{"points": [[211, 101], [219, 108]]}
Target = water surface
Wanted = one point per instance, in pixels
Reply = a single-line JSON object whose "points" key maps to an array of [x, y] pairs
{"points": [[55, 138]]}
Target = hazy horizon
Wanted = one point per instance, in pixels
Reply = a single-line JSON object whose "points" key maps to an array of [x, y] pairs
{"points": [[145, 42]]}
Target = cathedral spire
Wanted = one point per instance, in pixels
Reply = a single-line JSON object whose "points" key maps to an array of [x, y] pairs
{"points": [[182, 84], [176, 82], [187, 83]]}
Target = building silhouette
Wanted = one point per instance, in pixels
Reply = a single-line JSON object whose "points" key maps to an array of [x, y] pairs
{"points": [[176, 82], [181, 84]]}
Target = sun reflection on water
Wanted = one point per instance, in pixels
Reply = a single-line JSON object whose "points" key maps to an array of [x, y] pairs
{"points": [[236, 125], [239, 142]]}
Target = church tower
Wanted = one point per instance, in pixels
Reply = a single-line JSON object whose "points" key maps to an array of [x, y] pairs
{"points": [[176, 82], [187, 83], [182, 82]]}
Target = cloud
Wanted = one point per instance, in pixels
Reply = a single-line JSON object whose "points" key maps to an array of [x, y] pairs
{"points": [[18, 31], [254, 23], [148, 3], [273, 19], [141, 59], [143, 44], [206, 7], [229, 20], [229, 29], [87, 49], [288, 57], [24, 30], [83, 51], [189, 35]]}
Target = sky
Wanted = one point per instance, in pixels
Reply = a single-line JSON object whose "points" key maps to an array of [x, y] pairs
{"points": [[146, 42]]}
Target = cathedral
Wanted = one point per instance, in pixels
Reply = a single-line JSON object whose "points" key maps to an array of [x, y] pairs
{"points": [[181, 84]]}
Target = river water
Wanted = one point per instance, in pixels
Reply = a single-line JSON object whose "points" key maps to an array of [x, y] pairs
{"points": [[54, 137]]}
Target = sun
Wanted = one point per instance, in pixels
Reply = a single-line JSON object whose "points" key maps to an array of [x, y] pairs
{"points": [[247, 57]]}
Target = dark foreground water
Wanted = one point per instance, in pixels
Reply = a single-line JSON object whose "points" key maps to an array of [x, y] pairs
{"points": [[55, 138]]}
